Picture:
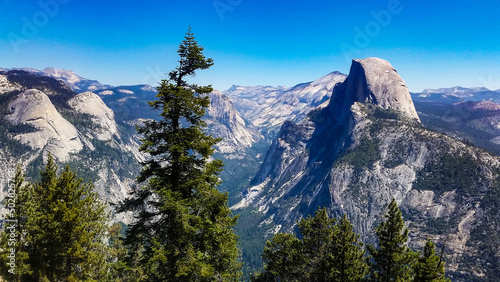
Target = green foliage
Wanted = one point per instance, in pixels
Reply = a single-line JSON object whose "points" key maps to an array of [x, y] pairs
{"points": [[381, 113], [82, 121], [485, 237], [61, 225], [400, 150], [73, 221], [252, 239], [183, 228], [119, 270], [449, 172], [436, 226], [33, 169], [14, 148], [429, 266], [347, 254], [60, 228], [363, 155], [284, 258], [455, 120], [59, 93], [329, 251], [237, 173], [392, 260], [21, 128], [18, 229]]}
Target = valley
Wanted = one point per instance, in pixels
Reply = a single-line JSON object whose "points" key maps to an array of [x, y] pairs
{"points": [[348, 143]]}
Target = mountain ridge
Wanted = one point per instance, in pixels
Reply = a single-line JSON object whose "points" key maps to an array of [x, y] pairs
{"points": [[361, 151], [350, 152]]}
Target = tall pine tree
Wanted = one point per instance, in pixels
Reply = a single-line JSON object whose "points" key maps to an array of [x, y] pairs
{"points": [[183, 227], [72, 225], [61, 227], [346, 254], [16, 240], [283, 259], [317, 235], [429, 266], [329, 251], [392, 260]]}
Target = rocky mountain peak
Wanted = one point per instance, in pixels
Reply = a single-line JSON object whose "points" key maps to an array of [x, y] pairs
{"points": [[53, 132], [375, 81], [225, 121], [66, 75], [91, 104]]}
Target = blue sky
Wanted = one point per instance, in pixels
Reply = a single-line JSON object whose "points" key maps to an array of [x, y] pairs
{"points": [[431, 43]]}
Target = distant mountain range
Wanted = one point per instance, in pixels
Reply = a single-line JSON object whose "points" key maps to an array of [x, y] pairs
{"points": [[365, 147], [457, 94], [348, 143]]}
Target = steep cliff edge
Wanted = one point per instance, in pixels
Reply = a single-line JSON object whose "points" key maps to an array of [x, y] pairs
{"points": [[34, 108], [91, 104], [367, 147]]}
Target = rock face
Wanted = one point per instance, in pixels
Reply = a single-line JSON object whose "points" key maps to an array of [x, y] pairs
{"points": [[6, 85], [91, 104], [34, 107], [374, 81], [268, 108], [367, 147], [78, 130], [225, 122]]}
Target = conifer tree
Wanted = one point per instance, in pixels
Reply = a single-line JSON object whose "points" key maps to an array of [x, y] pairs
{"points": [[392, 260], [18, 229], [429, 266], [119, 270], [61, 228], [183, 223], [317, 236], [283, 259], [329, 251], [71, 227], [346, 254]]}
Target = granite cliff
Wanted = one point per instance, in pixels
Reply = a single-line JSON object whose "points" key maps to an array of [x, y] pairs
{"points": [[367, 147]]}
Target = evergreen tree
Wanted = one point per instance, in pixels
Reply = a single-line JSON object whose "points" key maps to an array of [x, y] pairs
{"points": [[392, 260], [317, 236], [72, 227], [283, 259], [329, 251], [346, 254], [183, 223], [429, 266], [16, 240], [60, 229], [119, 270]]}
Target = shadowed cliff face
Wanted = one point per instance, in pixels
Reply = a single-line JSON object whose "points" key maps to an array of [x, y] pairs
{"points": [[326, 133], [367, 147], [34, 107], [374, 81]]}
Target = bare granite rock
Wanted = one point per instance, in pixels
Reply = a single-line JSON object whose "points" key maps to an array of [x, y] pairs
{"points": [[54, 133], [104, 117], [375, 81]]}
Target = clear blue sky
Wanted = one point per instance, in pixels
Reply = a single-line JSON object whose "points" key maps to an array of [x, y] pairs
{"points": [[273, 42]]}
